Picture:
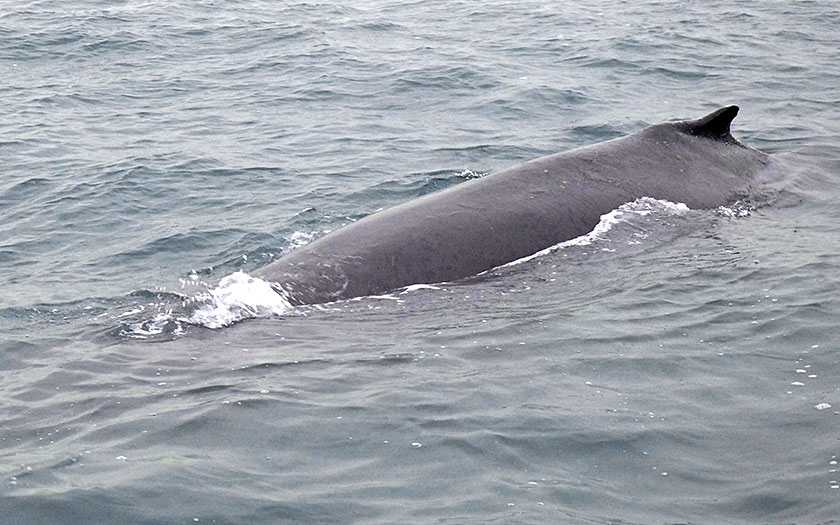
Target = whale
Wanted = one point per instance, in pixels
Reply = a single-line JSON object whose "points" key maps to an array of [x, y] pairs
{"points": [[490, 221]]}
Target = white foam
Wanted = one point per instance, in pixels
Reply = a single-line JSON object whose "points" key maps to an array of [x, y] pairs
{"points": [[238, 296], [624, 213], [299, 238], [157, 325], [414, 287], [736, 210], [470, 174]]}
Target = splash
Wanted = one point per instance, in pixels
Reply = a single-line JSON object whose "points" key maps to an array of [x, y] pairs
{"points": [[736, 210], [238, 296], [470, 174], [625, 213], [163, 323]]}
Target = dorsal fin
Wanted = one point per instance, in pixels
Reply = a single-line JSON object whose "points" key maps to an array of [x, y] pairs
{"points": [[715, 125]]}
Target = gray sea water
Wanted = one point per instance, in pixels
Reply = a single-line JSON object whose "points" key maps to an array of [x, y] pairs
{"points": [[682, 367]]}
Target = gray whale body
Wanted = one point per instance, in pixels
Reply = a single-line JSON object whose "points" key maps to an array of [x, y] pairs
{"points": [[487, 222]]}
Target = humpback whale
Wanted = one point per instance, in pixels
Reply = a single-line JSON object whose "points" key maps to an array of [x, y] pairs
{"points": [[490, 221]]}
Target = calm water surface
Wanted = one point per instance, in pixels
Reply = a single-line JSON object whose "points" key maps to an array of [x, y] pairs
{"points": [[683, 367]]}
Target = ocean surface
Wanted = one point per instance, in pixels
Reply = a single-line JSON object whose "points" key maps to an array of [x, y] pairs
{"points": [[675, 366]]}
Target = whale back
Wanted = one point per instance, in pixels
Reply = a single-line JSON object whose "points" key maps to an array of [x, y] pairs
{"points": [[493, 220]]}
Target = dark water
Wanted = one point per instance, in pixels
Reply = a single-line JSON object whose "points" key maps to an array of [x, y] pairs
{"points": [[681, 367]]}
